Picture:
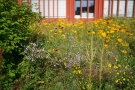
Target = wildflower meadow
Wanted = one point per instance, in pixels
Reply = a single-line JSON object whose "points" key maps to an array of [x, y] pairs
{"points": [[81, 55], [66, 55]]}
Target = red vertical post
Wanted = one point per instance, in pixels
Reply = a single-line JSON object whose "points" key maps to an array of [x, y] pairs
{"points": [[19, 1], [126, 6], [112, 7], [96, 9], [81, 8], [118, 7], [88, 5], [134, 9], [68, 9], [29, 1], [100, 8]]}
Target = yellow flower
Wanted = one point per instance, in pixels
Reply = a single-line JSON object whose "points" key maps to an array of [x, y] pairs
{"points": [[115, 66], [107, 40], [52, 36], [126, 67], [90, 32], [51, 30], [65, 63], [63, 35], [74, 31], [117, 80], [117, 26], [116, 60], [109, 65], [59, 30], [119, 65], [125, 44], [124, 51], [79, 72], [111, 31], [124, 79], [49, 50], [43, 32], [119, 40], [106, 46], [55, 32], [103, 34], [56, 51], [122, 30], [117, 73]]}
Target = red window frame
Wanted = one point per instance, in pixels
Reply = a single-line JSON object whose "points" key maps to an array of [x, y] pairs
{"points": [[98, 10]]}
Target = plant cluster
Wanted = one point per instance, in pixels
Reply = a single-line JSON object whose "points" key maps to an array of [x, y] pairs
{"points": [[64, 55], [15, 20], [80, 55]]}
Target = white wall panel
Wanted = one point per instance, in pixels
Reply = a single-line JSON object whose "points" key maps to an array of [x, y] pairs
{"points": [[130, 8]]}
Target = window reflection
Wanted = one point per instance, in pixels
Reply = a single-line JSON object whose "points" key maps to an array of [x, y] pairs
{"points": [[84, 8], [77, 8]]}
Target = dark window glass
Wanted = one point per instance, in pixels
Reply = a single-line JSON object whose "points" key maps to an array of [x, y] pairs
{"points": [[81, 8]]}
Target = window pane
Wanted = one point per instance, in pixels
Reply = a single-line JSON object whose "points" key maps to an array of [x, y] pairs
{"points": [[91, 9], [115, 8], [84, 8], [77, 9], [62, 8], [130, 8], [85, 13], [122, 8], [106, 3]]}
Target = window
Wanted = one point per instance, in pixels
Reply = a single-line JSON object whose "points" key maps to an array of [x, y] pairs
{"points": [[84, 8], [118, 8], [50, 8]]}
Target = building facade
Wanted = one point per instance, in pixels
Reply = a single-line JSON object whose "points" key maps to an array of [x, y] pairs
{"points": [[82, 9]]}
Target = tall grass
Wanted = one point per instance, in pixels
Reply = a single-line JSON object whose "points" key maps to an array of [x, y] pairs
{"points": [[83, 55]]}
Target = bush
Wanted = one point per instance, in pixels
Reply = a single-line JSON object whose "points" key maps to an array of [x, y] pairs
{"points": [[15, 20]]}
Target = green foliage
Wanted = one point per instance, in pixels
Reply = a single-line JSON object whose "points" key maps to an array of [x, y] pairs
{"points": [[64, 55], [15, 20]]}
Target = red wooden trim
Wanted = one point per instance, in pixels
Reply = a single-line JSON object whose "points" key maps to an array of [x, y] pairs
{"points": [[48, 8], [126, 6], [29, 1], [80, 8], [134, 9], [109, 3], [68, 9], [112, 7], [53, 8], [88, 5], [72, 10], [19, 1], [96, 9], [43, 7], [118, 7], [100, 8]]}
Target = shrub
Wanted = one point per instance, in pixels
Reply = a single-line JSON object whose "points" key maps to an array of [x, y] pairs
{"points": [[15, 20]]}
